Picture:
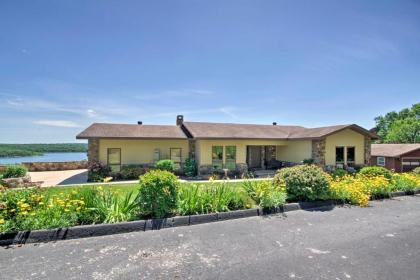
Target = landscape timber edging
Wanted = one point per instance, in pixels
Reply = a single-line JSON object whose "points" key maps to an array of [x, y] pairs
{"points": [[83, 231]]}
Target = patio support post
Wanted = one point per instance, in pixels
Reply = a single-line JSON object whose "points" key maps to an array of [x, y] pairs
{"points": [[263, 157]]}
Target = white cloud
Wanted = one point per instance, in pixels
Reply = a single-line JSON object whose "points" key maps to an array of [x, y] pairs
{"points": [[91, 113], [229, 111], [57, 123]]}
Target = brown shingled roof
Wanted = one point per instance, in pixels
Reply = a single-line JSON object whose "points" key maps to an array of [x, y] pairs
{"points": [[107, 130], [393, 150], [238, 131], [205, 130], [258, 131]]}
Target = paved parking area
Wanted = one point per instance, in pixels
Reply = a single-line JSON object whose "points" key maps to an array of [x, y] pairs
{"points": [[65, 177]]}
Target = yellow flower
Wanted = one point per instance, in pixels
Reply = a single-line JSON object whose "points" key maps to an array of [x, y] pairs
{"points": [[1, 221], [107, 179]]}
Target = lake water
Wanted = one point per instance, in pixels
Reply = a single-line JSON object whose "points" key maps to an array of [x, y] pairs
{"points": [[55, 157]]}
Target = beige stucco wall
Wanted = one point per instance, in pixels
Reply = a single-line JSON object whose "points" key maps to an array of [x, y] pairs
{"points": [[141, 151], [204, 148], [295, 151], [345, 138]]}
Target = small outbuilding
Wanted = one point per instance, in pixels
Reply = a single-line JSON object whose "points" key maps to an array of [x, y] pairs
{"points": [[398, 157]]}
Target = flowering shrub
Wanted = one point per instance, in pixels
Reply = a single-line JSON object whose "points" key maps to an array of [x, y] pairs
{"points": [[132, 171], [407, 182], [350, 189], [14, 171], [97, 171], [30, 209], [358, 189], [157, 195], [190, 168], [376, 171], [165, 164], [339, 172], [416, 170], [303, 182]]}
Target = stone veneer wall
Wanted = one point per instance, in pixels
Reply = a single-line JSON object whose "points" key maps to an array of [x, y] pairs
{"points": [[368, 143], [191, 148], [93, 149], [318, 151], [55, 166]]}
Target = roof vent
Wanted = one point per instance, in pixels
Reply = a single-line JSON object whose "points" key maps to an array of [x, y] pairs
{"points": [[274, 123], [139, 122], [179, 119]]}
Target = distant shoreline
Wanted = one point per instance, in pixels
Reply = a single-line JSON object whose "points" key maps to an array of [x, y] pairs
{"points": [[33, 150]]}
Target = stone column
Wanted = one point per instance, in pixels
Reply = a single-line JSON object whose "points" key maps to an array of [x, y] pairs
{"points": [[263, 157], [318, 152], [93, 149], [367, 152]]}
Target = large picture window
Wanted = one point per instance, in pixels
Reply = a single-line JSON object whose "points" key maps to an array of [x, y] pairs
{"points": [[217, 156], [230, 157], [114, 159], [351, 156], [339, 155]]}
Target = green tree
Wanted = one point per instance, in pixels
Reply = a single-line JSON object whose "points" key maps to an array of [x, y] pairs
{"points": [[404, 131], [399, 127]]}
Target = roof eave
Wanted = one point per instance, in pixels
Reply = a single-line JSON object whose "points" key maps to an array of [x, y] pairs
{"points": [[131, 138]]}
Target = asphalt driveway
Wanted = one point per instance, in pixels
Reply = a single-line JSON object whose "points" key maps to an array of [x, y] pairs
{"points": [[379, 242]]}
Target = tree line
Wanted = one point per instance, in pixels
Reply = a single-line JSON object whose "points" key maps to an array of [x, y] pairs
{"points": [[20, 150], [399, 127]]}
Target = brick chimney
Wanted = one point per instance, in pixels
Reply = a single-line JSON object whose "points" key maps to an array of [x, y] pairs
{"points": [[179, 120]]}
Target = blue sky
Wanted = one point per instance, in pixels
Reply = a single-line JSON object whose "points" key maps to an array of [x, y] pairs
{"points": [[66, 64]]}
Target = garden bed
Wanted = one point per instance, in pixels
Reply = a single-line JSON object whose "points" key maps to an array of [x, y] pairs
{"points": [[160, 200], [38, 236]]}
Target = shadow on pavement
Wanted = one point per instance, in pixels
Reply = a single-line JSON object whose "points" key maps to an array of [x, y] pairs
{"points": [[80, 178]]}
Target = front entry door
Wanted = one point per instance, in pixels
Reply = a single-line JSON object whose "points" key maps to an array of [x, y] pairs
{"points": [[254, 156]]}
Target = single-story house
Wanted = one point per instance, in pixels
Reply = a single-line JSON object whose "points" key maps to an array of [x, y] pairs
{"points": [[226, 145], [398, 157]]}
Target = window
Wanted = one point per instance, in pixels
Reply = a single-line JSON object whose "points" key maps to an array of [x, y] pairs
{"points": [[231, 157], [156, 155], [351, 155], [380, 161], [217, 156], [339, 155], [114, 159], [175, 156]]}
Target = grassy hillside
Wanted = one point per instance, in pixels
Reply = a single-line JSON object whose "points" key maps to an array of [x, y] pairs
{"points": [[20, 150]]}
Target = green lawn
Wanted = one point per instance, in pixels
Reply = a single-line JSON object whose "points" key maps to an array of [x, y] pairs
{"points": [[118, 188]]}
